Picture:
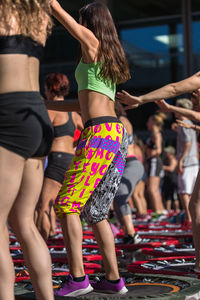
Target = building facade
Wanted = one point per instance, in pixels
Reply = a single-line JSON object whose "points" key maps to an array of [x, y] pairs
{"points": [[161, 40]]}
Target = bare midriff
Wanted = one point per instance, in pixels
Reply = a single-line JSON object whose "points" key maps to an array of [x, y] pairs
{"points": [[63, 144], [95, 105]]}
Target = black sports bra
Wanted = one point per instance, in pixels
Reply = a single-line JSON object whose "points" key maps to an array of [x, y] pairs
{"points": [[19, 44], [66, 128]]}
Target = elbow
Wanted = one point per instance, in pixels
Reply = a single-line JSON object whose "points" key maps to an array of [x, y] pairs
{"points": [[159, 152], [174, 90], [196, 117]]}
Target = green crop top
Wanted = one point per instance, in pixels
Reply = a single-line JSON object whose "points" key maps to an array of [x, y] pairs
{"points": [[87, 77]]}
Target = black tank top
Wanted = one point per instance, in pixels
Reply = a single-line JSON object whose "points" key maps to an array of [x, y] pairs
{"points": [[150, 143], [67, 128], [19, 44]]}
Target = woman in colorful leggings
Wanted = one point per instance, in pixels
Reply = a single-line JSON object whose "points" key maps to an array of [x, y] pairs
{"points": [[96, 169]]}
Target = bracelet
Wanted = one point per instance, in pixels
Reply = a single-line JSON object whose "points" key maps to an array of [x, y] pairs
{"points": [[195, 126]]}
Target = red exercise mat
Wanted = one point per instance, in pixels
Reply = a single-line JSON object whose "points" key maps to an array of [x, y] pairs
{"points": [[180, 266]]}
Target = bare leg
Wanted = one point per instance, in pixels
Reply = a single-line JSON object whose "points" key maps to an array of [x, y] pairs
{"points": [[72, 232], [128, 226], [176, 205], [11, 171], [105, 240], [140, 201], [21, 218], [53, 223], [45, 211], [185, 199], [131, 203], [154, 193], [194, 207], [168, 205]]}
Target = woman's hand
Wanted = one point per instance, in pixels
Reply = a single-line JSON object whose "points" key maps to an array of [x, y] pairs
{"points": [[131, 101], [180, 166], [185, 125], [163, 105], [174, 126]]}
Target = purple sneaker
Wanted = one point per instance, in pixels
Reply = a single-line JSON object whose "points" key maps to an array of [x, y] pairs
{"points": [[103, 285], [74, 288]]}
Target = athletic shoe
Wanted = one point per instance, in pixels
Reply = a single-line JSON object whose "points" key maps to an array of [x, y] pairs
{"points": [[103, 285], [74, 288], [136, 239]]}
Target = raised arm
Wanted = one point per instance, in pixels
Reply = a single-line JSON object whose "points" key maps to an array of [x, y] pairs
{"points": [[79, 32], [63, 105], [171, 90]]}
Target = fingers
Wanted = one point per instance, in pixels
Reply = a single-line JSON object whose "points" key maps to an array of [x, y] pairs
{"points": [[121, 95], [131, 106], [125, 93]]}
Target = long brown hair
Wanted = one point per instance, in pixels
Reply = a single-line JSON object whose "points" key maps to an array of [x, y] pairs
{"points": [[29, 15], [100, 22]]}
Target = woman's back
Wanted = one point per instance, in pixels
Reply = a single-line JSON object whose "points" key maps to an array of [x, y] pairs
{"points": [[19, 52]]}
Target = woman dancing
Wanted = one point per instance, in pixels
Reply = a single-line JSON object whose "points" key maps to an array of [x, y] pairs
{"points": [[61, 154], [25, 132], [96, 169]]}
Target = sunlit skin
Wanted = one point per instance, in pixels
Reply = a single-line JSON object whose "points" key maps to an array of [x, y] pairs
{"points": [[21, 179], [92, 105]]}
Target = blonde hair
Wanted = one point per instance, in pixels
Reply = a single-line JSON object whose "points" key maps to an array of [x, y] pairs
{"points": [[159, 119], [29, 15], [185, 103]]}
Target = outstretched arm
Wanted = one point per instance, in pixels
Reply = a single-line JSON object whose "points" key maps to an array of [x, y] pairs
{"points": [[189, 126], [190, 114], [61, 105], [171, 90], [79, 32]]}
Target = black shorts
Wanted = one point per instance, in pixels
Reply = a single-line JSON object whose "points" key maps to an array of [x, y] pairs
{"points": [[170, 189], [25, 127], [58, 163], [154, 167]]}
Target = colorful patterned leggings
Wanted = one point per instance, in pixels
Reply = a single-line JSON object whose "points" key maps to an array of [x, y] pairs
{"points": [[95, 172]]}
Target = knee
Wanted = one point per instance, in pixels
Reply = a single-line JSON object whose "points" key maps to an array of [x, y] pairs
{"points": [[150, 190], [93, 216], [20, 223]]}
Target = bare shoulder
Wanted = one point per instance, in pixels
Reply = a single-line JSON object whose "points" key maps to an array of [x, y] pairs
{"points": [[77, 120]]}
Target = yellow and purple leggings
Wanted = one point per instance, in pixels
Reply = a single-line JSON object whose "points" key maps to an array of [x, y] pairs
{"points": [[95, 172]]}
